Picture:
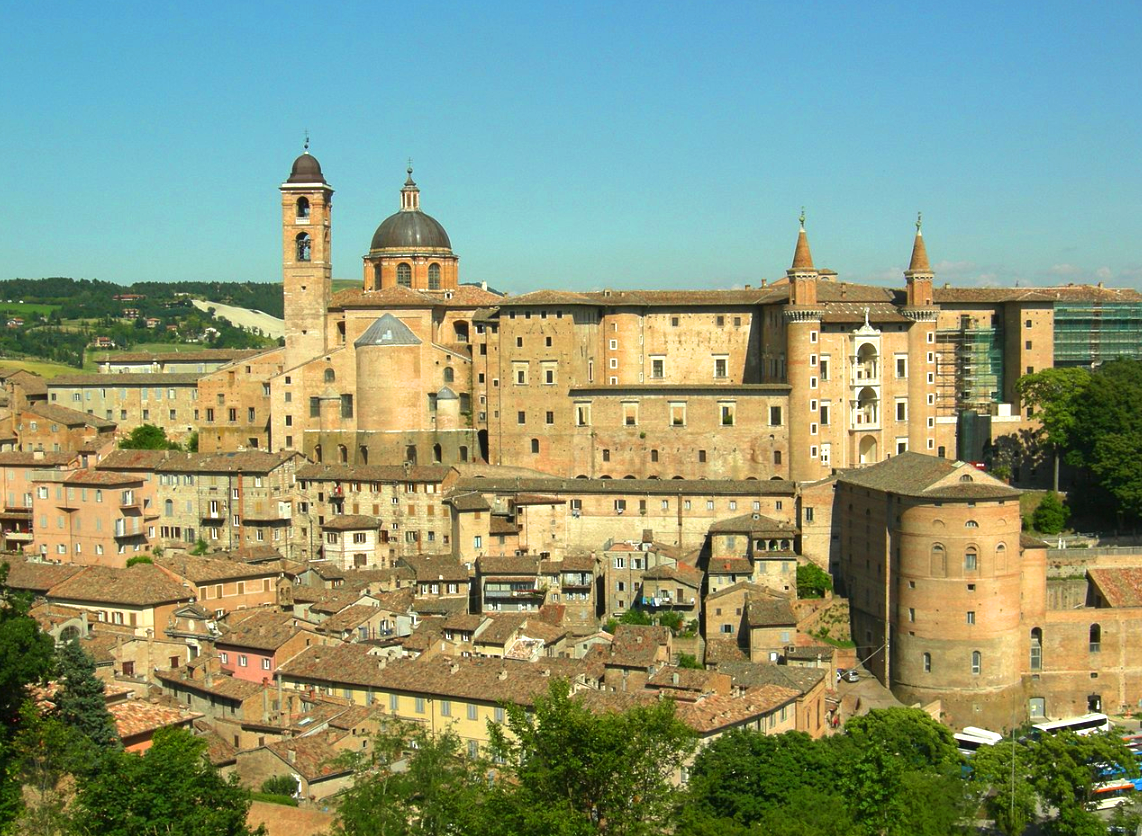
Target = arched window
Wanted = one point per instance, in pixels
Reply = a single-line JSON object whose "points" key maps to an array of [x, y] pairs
{"points": [[1036, 649], [69, 633], [434, 277], [168, 508], [1095, 638], [976, 662], [939, 565], [376, 277], [1001, 558], [317, 453], [404, 275], [410, 454], [971, 524], [971, 559], [330, 376], [535, 445], [463, 453], [342, 454], [363, 454], [966, 478], [437, 454], [927, 659], [303, 243], [303, 208], [449, 375]]}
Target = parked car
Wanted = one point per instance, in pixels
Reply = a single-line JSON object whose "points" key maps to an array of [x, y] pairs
{"points": [[848, 675]]}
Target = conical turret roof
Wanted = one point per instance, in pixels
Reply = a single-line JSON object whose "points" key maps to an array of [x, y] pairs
{"points": [[387, 330]]}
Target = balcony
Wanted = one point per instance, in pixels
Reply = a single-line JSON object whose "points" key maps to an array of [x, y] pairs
{"points": [[213, 514], [577, 581], [18, 536], [513, 590]]}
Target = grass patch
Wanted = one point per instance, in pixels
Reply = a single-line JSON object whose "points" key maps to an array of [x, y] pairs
{"points": [[345, 284], [27, 309], [41, 367]]}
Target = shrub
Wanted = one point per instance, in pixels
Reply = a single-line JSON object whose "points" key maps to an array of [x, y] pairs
{"points": [[1051, 515]]}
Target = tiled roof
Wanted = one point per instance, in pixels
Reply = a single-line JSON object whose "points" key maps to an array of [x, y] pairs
{"points": [[721, 652], [222, 685], [436, 567], [1119, 587], [769, 611], [501, 628], [500, 524], [680, 573], [351, 664], [644, 298], [636, 646], [756, 525], [312, 757], [686, 679], [143, 584], [653, 487], [12, 458], [440, 606], [102, 477], [719, 711], [205, 569], [919, 475], [371, 473], [155, 379], [463, 622], [349, 618], [749, 674], [136, 717], [387, 330], [148, 460], [263, 630], [729, 566], [521, 565], [247, 461], [68, 417], [480, 679], [351, 522], [468, 501], [37, 577]]}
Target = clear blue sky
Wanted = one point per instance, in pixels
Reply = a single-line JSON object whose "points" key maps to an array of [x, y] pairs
{"points": [[581, 144]]}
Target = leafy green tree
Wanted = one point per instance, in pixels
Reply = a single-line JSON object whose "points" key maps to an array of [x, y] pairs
{"points": [[813, 581], [279, 785], [200, 547], [1051, 515], [910, 734], [1065, 767], [135, 560], [671, 620], [81, 705], [637, 617], [43, 750], [688, 660], [1056, 395], [1108, 438], [574, 771], [171, 788], [1001, 773], [25, 659], [191, 445], [413, 783], [148, 437]]}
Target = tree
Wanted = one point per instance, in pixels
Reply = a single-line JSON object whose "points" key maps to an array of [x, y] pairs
{"points": [[1051, 515], [688, 660], [148, 437], [191, 445], [575, 771], [909, 733], [1056, 396], [637, 617], [672, 620], [279, 785], [1001, 773], [413, 783], [80, 704], [171, 788], [813, 581], [42, 749], [25, 659], [139, 558], [200, 547]]}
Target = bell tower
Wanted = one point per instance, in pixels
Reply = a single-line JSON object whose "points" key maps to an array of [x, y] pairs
{"points": [[307, 270], [802, 334]]}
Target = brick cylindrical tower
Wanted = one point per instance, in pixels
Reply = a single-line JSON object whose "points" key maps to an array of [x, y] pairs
{"points": [[922, 310], [389, 395], [802, 335]]}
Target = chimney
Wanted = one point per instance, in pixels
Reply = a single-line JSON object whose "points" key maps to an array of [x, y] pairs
{"points": [[454, 668], [291, 755], [747, 287], [502, 675]]}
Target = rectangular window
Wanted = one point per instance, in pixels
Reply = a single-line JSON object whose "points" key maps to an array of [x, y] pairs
{"points": [[901, 410], [775, 416], [314, 408], [902, 367], [971, 616], [824, 415], [446, 708], [473, 712], [582, 415], [630, 413], [728, 413], [346, 406], [721, 367], [519, 373], [824, 367], [678, 414], [657, 367], [420, 705]]}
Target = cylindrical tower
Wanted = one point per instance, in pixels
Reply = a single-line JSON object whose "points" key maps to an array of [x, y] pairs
{"points": [[922, 310], [389, 393], [447, 410], [802, 335]]}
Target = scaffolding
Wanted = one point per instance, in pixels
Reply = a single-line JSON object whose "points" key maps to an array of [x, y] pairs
{"points": [[969, 366], [1087, 333]]}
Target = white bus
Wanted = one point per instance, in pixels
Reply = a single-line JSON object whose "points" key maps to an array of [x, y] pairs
{"points": [[1111, 794], [1086, 724], [971, 739]]}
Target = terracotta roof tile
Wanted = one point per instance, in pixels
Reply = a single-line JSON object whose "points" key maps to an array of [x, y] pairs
{"points": [[371, 473], [312, 756], [68, 417], [351, 522], [143, 584], [136, 717], [37, 577], [205, 569], [438, 567], [264, 630], [155, 379], [1119, 587]]}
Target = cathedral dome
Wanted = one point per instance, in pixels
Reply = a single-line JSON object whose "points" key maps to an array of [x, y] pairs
{"points": [[410, 229], [306, 169]]}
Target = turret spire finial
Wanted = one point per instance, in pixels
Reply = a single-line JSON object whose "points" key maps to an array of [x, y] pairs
{"points": [[802, 217], [919, 223], [305, 145]]}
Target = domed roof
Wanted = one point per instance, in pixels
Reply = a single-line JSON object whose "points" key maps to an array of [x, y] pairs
{"points": [[306, 169], [410, 230]]}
